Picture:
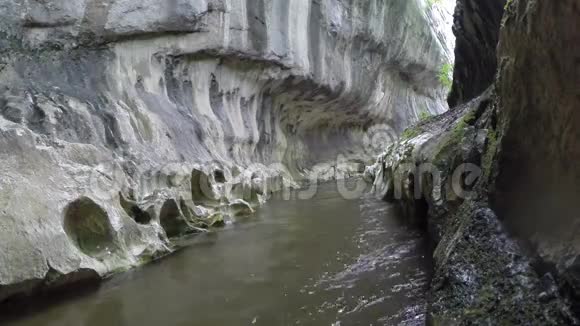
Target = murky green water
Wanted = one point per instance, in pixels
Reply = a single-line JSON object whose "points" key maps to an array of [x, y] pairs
{"points": [[324, 261]]}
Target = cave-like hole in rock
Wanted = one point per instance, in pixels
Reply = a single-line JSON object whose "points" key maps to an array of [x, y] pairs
{"points": [[89, 228], [134, 211], [201, 188], [171, 219], [219, 176]]}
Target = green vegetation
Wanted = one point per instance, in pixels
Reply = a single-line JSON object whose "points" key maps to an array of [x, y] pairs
{"points": [[469, 118], [424, 115], [450, 142], [459, 130], [490, 152], [446, 75], [433, 2], [411, 132], [507, 4]]}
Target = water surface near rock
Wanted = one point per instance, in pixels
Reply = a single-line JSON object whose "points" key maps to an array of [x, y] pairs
{"points": [[322, 261]]}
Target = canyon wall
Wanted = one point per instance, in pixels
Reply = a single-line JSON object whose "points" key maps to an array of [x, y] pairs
{"points": [[126, 123], [538, 176], [475, 27], [495, 178]]}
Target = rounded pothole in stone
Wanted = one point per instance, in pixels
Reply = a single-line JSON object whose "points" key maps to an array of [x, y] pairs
{"points": [[89, 228], [201, 188], [172, 220]]}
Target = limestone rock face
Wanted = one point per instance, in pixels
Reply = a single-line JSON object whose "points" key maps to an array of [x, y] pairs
{"points": [[126, 123]]}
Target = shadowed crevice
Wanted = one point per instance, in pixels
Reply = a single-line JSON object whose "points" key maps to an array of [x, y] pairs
{"points": [[89, 228]]}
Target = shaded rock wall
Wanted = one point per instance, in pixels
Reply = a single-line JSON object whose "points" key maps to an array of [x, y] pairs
{"points": [[440, 173], [495, 177], [538, 176], [476, 27], [124, 123]]}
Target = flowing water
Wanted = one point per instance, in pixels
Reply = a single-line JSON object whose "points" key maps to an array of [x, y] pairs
{"points": [[322, 261]]}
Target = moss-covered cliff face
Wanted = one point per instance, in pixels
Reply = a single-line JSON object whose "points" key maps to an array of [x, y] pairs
{"points": [[496, 177]]}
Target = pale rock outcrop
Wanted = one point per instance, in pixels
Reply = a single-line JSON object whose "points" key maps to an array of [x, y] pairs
{"points": [[126, 123]]}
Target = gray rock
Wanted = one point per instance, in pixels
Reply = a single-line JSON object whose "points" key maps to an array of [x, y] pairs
{"points": [[110, 108], [476, 27], [523, 134], [537, 191]]}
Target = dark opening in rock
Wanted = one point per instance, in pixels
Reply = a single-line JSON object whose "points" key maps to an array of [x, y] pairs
{"points": [[134, 211], [88, 226], [201, 188], [171, 219], [219, 176]]}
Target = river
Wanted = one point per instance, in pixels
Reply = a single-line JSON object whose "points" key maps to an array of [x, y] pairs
{"points": [[322, 261]]}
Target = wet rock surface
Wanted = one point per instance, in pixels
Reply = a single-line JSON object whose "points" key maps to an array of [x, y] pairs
{"points": [[491, 178], [442, 175]]}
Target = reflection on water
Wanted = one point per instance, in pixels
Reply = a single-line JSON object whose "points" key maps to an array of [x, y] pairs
{"points": [[324, 261]]}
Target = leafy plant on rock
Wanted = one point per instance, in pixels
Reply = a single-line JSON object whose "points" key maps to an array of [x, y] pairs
{"points": [[433, 2], [445, 75]]}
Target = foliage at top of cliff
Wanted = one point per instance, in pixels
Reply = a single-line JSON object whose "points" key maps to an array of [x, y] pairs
{"points": [[445, 75], [433, 2]]}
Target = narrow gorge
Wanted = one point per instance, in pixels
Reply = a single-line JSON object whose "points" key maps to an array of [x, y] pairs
{"points": [[135, 135]]}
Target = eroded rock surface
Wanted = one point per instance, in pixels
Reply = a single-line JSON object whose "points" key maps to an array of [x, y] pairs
{"points": [[126, 123]]}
